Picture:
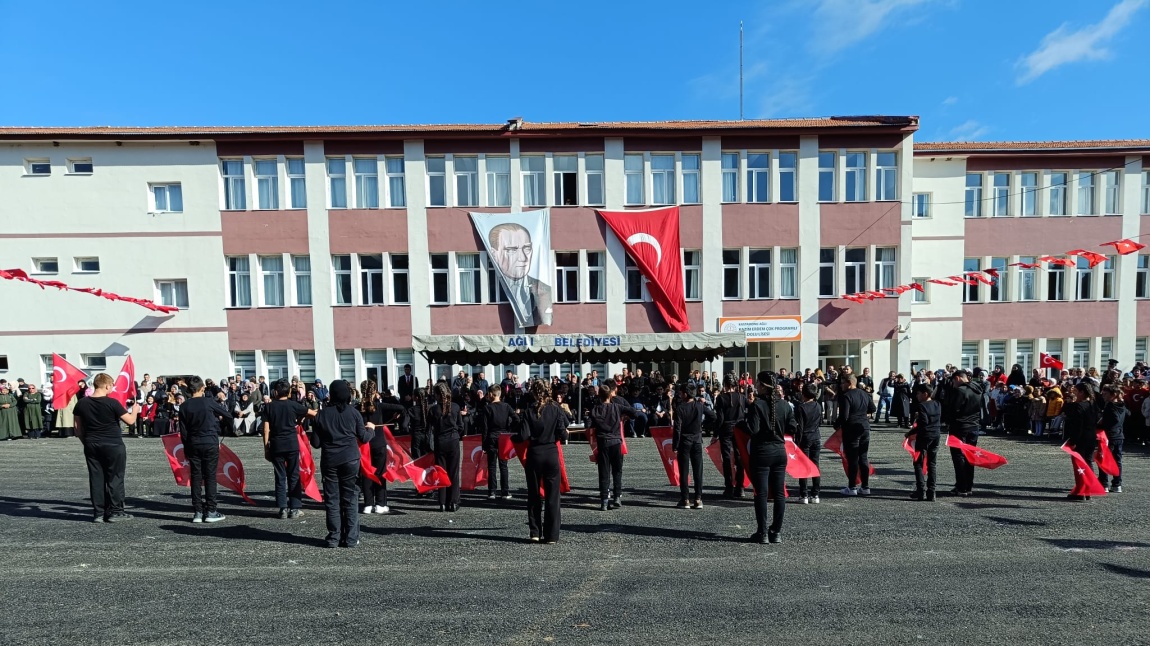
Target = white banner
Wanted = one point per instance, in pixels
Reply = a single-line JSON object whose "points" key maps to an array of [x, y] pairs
{"points": [[764, 328], [519, 245]]}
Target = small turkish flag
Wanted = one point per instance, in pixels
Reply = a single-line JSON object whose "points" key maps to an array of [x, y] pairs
{"points": [[908, 445], [651, 239], [1124, 247], [426, 475], [230, 473], [174, 449], [798, 464], [366, 468], [66, 380], [834, 444], [564, 484], [975, 456], [1047, 361], [664, 439], [474, 472], [1085, 482], [743, 444], [594, 442], [396, 458], [124, 390], [307, 467], [1093, 258], [508, 449], [1104, 457]]}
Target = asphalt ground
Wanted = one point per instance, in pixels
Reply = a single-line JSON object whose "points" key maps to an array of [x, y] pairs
{"points": [[1015, 564]]}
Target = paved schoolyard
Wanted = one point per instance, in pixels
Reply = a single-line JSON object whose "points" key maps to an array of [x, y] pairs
{"points": [[1015, 564]]}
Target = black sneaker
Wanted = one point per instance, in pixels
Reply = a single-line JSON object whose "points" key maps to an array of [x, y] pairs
{"points": [[917, 494], [214, 517], [118, 517], [758, 537], [773, 537], [603, 505], [294, 513], [615, 503]]}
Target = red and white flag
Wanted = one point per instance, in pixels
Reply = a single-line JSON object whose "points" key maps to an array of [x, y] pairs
{"points": [[307, 467], [473, 474], [125, 389], [426, 475], [976, 456], [366, 468], [66, 380], [1085, 482], [564, 483], [508, 448], [593, 441], [1124, 247], [908, 445], [798, 464], [834, 444], [230, 473], [664, 439], [396, 458], [174, 449], [1047, 361], [651, 238], [1104, 457]]}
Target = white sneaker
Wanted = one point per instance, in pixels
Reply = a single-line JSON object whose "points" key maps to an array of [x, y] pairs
{"points": [[864, 491], [367, 509], [1117, 489], [849, 491], [804, 500], [381, 510], [815, 500]]}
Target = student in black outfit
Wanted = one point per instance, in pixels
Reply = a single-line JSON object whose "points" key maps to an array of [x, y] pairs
{"points": [[281, 446], [1081, 426], [339, 430], [445, 422], [926, 429], [200, 433], [768, 420], [688, 444], [962, 412], [731, 409], [376, 411], [808, 417], [97, 420], [1113, 418], [417, 416], [497, 417], [544, 425], [605, 419], [853, 407]]}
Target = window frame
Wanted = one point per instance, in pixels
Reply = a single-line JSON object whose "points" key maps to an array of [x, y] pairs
{"points": [[730, 172], [759, 274], [463, 275], [1142, 277], [1000, 195], [396, 182], [971, 293], [757, 174], [692, 274], [1023, 274], [832, 265], [631, 273], [737, 267], [1087, 193], [272, 180], [595, 177], [366, 182], [560, 179], [788, 176], [563, 274], [920, 297], [265, 274], [234, 279], [444, 274], [466, 180], [1030, 193], [1058, 207], [296, 179], [399, 273], [235, 185], [920, 206], [537, 178], [368, 277], [597, 269], [886, 177], [297, 274], [999, 292], [858, 174], [334, 180], [692, 176], [634, 177], [972, 195], [828, 173], [36, 268], [172, 283], [786, 266], [153, 203], [859, 267], [31, 164], [78, 264], [73, 163], [433, 177], [339, 274], [881, 266]]}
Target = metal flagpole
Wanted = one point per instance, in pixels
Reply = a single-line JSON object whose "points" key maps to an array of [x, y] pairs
{"points": [[740, 70]]}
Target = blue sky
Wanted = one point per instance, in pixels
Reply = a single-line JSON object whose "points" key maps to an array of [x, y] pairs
{"points": [[972, 69]]}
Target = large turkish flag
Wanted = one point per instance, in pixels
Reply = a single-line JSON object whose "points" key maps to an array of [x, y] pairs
{"points": [[1085, 482], [66, 380], [474, 471], [651, 238]]}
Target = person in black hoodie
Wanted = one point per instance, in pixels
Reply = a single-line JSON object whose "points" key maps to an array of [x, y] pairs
{"points": [[1113, 418], [926, 429], [378, 412], [544, 425], [497, 418], [338, 432], [281, 446], [853, 408], [962, 412], [731, 409], [690, 413], [445, 422], [808, 418], [605, 419], [1081, 425], [200, 432], [768, 421]]}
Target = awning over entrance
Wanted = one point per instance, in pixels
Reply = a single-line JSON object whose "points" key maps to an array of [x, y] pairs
{"points": [[564, 348]]}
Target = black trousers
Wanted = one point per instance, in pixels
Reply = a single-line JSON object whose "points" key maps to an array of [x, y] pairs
{"points": [[811, 450], [376, 494], [341, 502], [858, 464], [542, 469], [927, 446], [733, 471], [963, 470], [690, 456], [106, 466], [447, 456], [288, 487], [768, 475], [496, 466], [203, 460], [610, 462], [420, 444]]}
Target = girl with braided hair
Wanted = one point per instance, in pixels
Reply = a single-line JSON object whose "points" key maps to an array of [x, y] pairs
{"points": [[544, 425], [417, 425], [378, 412], [445, 422], [768, 421]]}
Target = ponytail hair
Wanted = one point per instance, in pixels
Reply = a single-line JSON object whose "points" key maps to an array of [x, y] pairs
{"points": [[542, 393], [766, 381], [443, 397], [367, 402], [420, 396]]}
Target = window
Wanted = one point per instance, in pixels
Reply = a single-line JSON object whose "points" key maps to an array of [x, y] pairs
{"points": [[1083, 280], [1142, 278], [297, 182], [80, 166], [1108, 285], [468, 274], [498, 174], [1029, 183], [1057, 194], [856, 177], [855, 266], [1080, 357], [466, 181], [1054, 349], [305, 360], [997, 353], [52, 265], [86, 265], [827, 273], [566, 276], [691, 179], [969, 354], [366, 182], [1140, 346], [827, 176], [235, 186], [337, 181], [920, 205], [276, 365], [634, 281], [973, 206], [594, 166], [1105, 350], [439, 279], [1024, 356], [272, 270], [788, 177], [399, 279], [37, 167], [886, 176], [94, 363], [1001, 196], [596, 276], [788, 273], [173, 293], [633, 174], [732, 272], [167, 198], [301, 268], [758, 177], [692, 272], [923, 296], [495, 293], [1146, 191], [371, 279], [885, 271], [1056, 283], [396, 185], [970, 293], [731, 177], [1027, 280], [534, 190], [566, 179], [244, 364], [662, 179], [239, 282], [1086, 194], [436, 181], [267, 184], [346, 361], [1111, 193], [999, 289], [759, 270], [341, 271]]}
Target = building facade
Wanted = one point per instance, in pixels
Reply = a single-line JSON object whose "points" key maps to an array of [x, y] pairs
{"points": [[319, 252]]}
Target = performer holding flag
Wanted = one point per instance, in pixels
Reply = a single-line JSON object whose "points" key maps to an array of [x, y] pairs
{"points": [[926, 430], [1113, 418], [808, 417], [768, 422], [98, 418], [731, 407], [281, 446], [339, 429], [445, 421], [1080, 426], [606, 418], [498, 418], [200, 432], [375, 410], [962, 413], [544, 426]]}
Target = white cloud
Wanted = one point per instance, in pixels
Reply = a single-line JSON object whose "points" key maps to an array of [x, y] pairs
{"points": [[842, 23], [1063, 46], [784, 97], [968, 131], [950, 100]]}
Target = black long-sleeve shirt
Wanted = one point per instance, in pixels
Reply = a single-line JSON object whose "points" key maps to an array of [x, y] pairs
{"points": [[383, 412], [854, 405], [763, 431], [1113, 417], [200, 421], [445, 423], [339, 434], [731, 408], [962, 408], [497, 417], [928, 419], [808, 417], [1081, 426], [605, 419], [688, 422], [543, 428]]}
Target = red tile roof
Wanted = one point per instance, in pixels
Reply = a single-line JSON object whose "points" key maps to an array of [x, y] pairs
{"points": [[1039, 147]]}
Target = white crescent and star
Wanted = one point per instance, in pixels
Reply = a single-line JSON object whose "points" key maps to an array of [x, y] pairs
{"points": [[179, 448], [478, 449], [59, 371], [647, 238], [227, 474]]}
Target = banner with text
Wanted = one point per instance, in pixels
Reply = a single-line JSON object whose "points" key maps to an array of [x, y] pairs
{"points": [[764, 328]]}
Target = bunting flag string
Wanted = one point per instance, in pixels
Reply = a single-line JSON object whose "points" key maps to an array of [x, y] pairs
{"points": [[22, 276], [992, 275]]}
